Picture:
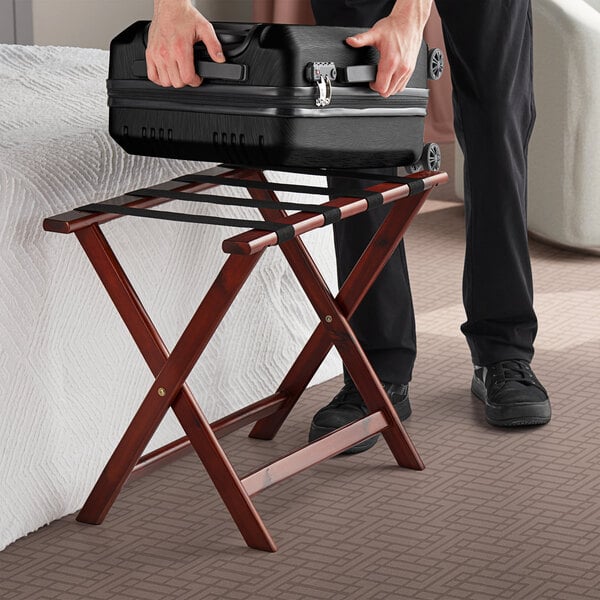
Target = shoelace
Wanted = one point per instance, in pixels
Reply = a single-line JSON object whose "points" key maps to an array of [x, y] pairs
{"points": [[349, 395], [516, 371]]}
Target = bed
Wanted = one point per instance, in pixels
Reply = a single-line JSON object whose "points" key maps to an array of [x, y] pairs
{"points": [[71, 375]]}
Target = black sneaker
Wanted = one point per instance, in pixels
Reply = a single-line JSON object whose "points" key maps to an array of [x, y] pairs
{"points": [[512, 394], [348, 406]]}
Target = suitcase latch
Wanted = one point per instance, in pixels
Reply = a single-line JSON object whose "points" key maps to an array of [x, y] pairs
{"points": [[322, 74]]}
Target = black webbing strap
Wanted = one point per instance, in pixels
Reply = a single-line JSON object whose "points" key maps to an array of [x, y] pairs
{"points": [[415, 186], [284, 232], [331, 214], [275, 187], [256, 185], [374, 199], [382, 177]]}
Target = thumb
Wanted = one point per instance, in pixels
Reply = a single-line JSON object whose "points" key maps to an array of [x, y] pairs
{"points": [[213, 46], [360, 39]]}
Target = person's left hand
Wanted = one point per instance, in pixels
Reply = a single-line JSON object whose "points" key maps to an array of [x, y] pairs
{"points": [[398, 37]]}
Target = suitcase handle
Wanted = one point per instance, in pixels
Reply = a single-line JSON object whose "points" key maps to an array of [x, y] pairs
{"points": [[205, 68], [229, 71], [234, 38], [357, 74], [368, 73]]}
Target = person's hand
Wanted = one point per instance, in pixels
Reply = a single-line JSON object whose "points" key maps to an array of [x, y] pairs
{"points": [[398, 38], [175, 27]]}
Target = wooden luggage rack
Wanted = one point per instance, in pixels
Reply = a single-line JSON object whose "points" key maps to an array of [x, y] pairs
{"points": [[169, 390]]}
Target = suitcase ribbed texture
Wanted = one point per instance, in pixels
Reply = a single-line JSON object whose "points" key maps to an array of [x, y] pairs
{"points": [[281, 99]]}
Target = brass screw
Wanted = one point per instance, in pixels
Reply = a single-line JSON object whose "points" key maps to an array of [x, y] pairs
{"points": [[328, 318], [162, 391]]}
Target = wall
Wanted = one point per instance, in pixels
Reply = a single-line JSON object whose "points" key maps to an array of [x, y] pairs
{"points": [[226, 10], [93, 23], [85, 23], [7, 22], [15, 22]]}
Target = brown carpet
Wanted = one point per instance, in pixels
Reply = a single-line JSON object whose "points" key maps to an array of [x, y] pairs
{"points": [[512, 514]]}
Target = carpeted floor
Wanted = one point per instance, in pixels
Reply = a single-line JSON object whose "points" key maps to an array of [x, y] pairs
{"points": [[511, 514]]}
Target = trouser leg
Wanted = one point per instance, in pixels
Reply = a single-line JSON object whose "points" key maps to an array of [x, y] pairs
{"points": [[489, 49], [489, 46], [384, 323]]}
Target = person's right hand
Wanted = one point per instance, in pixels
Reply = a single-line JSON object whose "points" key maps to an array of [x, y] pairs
{"points": [[176, 26]]}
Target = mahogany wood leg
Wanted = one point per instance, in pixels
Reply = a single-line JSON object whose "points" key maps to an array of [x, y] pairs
{"points": [[353, 355], [171, 372], [223, 475], [358, 282]]}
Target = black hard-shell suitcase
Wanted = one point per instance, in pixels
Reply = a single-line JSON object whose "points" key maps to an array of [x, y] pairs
{"points": [[288, 95]]}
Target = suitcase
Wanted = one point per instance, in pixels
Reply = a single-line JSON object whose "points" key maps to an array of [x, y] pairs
{"points": [[288, 95]]}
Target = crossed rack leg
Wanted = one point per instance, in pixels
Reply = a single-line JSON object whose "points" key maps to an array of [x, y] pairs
{"points": [[171, 370]]}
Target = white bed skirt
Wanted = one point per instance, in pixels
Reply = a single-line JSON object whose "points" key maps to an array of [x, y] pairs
{"points": [[72, 378]]}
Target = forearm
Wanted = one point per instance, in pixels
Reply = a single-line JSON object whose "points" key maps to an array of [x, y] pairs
{"points": [[162, 5], [413, 11]]}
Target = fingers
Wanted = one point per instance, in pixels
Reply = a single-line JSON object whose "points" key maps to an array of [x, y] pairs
{"points": [[166, 58], [392, 76], [209, 37], [152, 71], [165, 71], [398, 49], [361, 39], [186, 67], [171, 64], [170, 52]]}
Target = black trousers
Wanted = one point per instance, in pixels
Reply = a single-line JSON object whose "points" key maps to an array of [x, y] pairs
{"points": [[489, 48]]}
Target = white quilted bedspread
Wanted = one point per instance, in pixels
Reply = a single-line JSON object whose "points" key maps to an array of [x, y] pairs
{"points": [[71, 376]]}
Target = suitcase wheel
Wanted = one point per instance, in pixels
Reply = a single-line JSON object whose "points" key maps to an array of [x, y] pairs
{"points": [[435, 64], [431, 159]]}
